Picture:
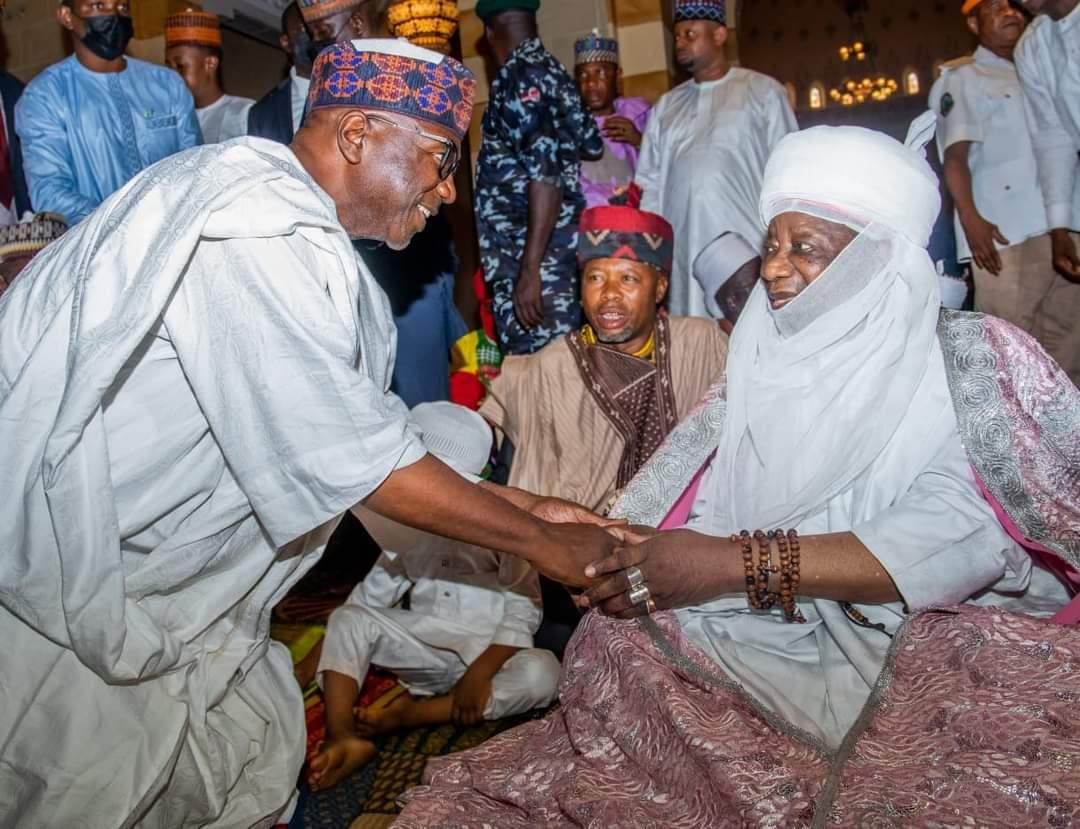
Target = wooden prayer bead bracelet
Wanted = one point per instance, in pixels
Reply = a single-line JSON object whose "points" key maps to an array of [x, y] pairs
{"points": [[758, 594]]}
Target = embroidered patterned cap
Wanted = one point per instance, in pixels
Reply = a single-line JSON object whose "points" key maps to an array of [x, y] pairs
{"points": [[486, 8], [712, 10], [30, 236], [595, 48], [312, 10], [395, 76], [620, 232], [193, 28]]}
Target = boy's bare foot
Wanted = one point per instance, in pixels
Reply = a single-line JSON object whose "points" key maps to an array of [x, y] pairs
{"points": [[337, 758], [373, 722]]}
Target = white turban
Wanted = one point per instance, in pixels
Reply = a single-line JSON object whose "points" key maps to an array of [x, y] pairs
{"points": [[829, 393], [857, 175]]}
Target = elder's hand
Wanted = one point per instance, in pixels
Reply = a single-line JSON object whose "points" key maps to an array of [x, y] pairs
{"points": [[680, 568]]}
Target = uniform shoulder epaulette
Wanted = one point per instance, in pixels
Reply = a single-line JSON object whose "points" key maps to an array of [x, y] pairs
{"points": [[956, 63]]}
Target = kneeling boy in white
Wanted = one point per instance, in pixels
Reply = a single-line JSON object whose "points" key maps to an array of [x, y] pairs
{"points": [[464, 646]]}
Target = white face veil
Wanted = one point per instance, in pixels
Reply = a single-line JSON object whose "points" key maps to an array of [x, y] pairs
{"points": [[819, 389]]}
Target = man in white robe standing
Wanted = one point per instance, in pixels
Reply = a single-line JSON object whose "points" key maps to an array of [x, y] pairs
{"points": [[706, 145], [193, 389]]}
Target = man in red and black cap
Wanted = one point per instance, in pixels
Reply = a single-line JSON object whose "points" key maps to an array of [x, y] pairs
{"points": [[584, 413], [588, 410]]}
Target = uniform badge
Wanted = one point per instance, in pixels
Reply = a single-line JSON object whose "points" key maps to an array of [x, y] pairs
{"points": [[946, 104], [530, 95]]}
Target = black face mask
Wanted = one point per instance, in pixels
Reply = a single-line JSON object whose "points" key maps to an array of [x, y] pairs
{"points": [[318, 45], [107, 35], [301, 51]]}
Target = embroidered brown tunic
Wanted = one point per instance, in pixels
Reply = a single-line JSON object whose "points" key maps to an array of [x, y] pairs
{"points": [[582, 443]]}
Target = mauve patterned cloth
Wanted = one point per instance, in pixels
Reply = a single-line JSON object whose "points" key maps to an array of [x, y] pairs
{"points": [[974, 721]]}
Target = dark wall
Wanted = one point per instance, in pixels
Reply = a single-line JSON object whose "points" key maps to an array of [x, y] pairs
{"points": [[796, 41]]}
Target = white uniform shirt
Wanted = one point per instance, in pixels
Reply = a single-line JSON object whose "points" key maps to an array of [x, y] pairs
{"points": [[298, 91], [224, 119], [473, 597], [701, 163], [1048, 62], [978, 99]]}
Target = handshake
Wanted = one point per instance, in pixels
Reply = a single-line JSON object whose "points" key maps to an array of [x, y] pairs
{"points": [[609, 560]]}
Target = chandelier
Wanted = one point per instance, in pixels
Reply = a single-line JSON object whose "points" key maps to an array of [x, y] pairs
{"points": [[856, 51], [427, 23], [851, 92], [854, 91]]}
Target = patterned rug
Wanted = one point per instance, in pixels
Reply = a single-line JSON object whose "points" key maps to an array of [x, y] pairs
{"points": [[368, 799]]}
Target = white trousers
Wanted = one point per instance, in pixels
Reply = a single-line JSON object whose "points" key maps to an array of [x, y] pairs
{"points": [[359, 636]]}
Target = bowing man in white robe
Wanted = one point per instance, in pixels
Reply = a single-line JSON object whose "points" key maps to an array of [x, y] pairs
{"points": [[705, 148], [193, 389]]}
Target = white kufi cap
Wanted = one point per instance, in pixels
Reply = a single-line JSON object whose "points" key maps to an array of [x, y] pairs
{"points": [[456, 435], [718, 262]]}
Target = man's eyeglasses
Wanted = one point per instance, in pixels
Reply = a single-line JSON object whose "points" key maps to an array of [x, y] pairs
{"points": [[448, 161]]}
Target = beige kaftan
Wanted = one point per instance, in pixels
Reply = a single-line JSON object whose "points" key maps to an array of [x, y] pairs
{"points": [[564, 444]]}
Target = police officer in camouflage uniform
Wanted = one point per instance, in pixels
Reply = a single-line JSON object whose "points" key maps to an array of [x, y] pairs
{"points": [[536, 131]]}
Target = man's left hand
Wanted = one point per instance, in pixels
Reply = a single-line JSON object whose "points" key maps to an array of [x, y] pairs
{"points": [[618, 128], [680, 568], [561, 511], [470, 696]]}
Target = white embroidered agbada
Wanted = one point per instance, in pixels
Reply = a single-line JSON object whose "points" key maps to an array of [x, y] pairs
{"points": [[193, 388], [839, 418], [702, 158]]}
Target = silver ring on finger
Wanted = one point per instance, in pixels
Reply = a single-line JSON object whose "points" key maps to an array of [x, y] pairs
{"points": [[634, 576], [638, 594]]}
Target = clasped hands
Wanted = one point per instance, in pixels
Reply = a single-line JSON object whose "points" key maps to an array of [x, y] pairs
{"points": [[604, 556]]}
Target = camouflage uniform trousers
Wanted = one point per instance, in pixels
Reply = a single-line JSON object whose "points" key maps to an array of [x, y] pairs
{"points": [[559, 293]]}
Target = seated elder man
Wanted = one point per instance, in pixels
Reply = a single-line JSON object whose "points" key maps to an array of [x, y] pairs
{"points": [[860, 461], [193, 390]]}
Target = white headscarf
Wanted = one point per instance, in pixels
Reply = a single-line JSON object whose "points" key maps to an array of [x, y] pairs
{"points": [[818, 389]]}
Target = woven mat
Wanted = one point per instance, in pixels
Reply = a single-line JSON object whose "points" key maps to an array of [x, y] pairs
{"points": [[368, 799]]}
